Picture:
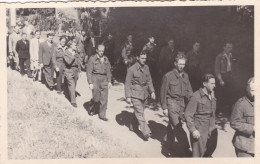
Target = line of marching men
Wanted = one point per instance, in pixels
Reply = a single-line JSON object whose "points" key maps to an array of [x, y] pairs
{"points": [[177, 98]]}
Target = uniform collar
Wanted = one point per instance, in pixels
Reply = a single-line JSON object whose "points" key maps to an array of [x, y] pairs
{"points": [[203, 93], [250, 102], [98, 58], [178, 74], [139, 67]]}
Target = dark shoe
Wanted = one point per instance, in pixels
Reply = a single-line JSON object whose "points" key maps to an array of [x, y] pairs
{"points": [[59, 92], [147, 136], [74, 105], [91, 113], [51, 88], [104, 119]]}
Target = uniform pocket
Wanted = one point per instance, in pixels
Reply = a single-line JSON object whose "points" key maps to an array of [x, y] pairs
{"points": [[174, 86], [250, 118]]}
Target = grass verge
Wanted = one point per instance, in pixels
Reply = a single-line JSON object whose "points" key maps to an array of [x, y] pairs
{"points": [[43, 125]]}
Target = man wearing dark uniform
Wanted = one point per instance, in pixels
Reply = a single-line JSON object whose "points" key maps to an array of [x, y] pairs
{"points": [[72, 68], [58, 62], [200, 117], [138, 86], [243, 122], [99, 79], [175, 91]]}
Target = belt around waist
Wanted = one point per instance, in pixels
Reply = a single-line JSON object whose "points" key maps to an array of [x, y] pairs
{"points": [[204, 114], [99, 74]]}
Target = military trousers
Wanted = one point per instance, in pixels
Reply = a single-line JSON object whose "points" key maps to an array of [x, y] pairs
{"points": [[60, 75], [72, 77], [100, 93], [206, 144], [176, 137], [241, 153], [48, 72], [138, 120]]}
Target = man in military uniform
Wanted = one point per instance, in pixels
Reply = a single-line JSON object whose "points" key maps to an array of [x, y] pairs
{"points": [[175, 91], [149, 49], [193, 66], [200, 117], [138, 85], [99, 79], [224, 74], [58, 62], [72, 69], [242, 121], [166, 58], [127, 51]]}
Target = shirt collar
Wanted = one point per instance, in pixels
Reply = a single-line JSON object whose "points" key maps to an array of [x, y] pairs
{"points": [[204, 93], [139, 67], [63, 48], [178, 74], [250, 102]]}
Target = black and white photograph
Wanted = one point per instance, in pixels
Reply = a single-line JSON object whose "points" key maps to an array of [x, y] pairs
{"points": [[91, 82]]}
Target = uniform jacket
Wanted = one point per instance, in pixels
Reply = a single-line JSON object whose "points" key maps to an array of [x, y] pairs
{"points": [[200, 112], [242, 120], [90, 47], [23, 49], [109, 47], [71, 62], [95, 66], [127, 51], [193, 63], [58, 56], [13, 38], [174, 86], [166, 59], [149, 48], [221, 64], [45, 53], [138, 82], [34, 48]]}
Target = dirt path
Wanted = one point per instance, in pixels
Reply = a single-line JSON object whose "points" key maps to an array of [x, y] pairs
{"points": [[119, 114]]}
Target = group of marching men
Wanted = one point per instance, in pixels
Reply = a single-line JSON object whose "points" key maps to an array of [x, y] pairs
{"points": [[178, 98]]}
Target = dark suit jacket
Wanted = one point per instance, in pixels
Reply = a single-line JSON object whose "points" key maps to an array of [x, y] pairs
{"points": [[45, 53], [166, 59], [89, 47], [23, 49]]}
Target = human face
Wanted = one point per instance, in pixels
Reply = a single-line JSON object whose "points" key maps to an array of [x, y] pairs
{"points": [[74, 46], [142, 59], [196, 46], [100, 50], [228, 48], [171, 43], [67, 33], [109, 37], [83, 33], [62, 42], [130, 38], [17, 29], [151, 40], [251, 91], [180, 64], [24, 36], [37, 35], [50, 39], [210, 85]]}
